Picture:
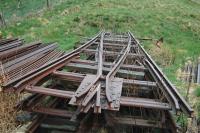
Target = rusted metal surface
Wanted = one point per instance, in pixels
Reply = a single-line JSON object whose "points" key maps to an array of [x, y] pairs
{"points": [[110, 82], [183, 104], [19, 60], [77, 77], [9, 45], [110, 90]]}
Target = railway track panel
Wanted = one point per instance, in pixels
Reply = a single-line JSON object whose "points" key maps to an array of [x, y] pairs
{"points": [[108, 81]]}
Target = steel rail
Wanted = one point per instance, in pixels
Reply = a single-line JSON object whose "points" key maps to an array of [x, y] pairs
{"points": [[26, 57], [14, 51], [6, 41], [169, 95], [19, 65], [11, 45], [18, 55], [96, 88], [183, 104], [37, 63], [49, 67], [124, 91], [115, 68], [99, 72], [30, 63]]}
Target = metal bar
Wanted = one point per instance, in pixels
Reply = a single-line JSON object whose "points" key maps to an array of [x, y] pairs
{"points": [[6, 41], [49, 67], [99, 72], [11, 45], [184, 105], [14, 51], [169, 95], [23, 58], [50, 92], [115, 68], [90, 88], [34, 64]]}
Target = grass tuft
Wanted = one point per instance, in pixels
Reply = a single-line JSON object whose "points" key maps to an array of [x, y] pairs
{"points": [[197, 92], [164, 56]]}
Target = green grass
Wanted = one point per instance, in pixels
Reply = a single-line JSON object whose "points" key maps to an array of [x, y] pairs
{"points": [[178, 21], [27, 7], [197, 92]]}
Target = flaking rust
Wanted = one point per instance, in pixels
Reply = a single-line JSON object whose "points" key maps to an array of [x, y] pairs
{"points": [[110, 81]]}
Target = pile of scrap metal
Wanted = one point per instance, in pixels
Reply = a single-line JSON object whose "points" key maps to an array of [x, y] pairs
{"points": [[18, 58], [107, 83]]}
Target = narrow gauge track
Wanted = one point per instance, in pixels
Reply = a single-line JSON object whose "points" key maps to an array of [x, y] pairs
{"points": [[107, 83]]}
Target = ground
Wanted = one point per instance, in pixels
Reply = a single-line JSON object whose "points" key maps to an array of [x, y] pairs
{"points": [[67, 21]]}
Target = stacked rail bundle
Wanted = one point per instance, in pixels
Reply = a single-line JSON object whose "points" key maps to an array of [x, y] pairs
{"points": [[17, 58], [108, 83]]}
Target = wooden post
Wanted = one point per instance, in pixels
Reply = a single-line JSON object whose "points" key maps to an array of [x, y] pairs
{"points": [[2, 20], [18, 4], [198, 71], [48, 4], [2, 75], [189, 82]]}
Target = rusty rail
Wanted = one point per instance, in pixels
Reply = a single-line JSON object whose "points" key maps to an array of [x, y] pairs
{"points": [[108, 72]]}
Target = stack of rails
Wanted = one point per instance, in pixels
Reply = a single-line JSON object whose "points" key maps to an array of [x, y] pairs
{"points": [[111, 83], [18, 58]]}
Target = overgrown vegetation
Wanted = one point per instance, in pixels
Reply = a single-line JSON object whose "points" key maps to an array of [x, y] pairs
{"points": [[178, 21], [163, 56], [8, 113]]}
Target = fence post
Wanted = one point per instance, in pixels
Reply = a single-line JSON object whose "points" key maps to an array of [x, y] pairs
{"points": [[2, 19], [48, 4]]}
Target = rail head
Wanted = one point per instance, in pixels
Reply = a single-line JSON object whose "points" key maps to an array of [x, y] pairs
{"points": [[116, 67], [49, 65], [182, 103]]}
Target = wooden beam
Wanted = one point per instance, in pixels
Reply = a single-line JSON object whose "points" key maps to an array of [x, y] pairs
{"points": [[144, 102], [52, 111], [121, 72], [109, 64], [124, 101], [51, 92], [138, 122], [108, 46], [111, 53], [77, 77]]}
